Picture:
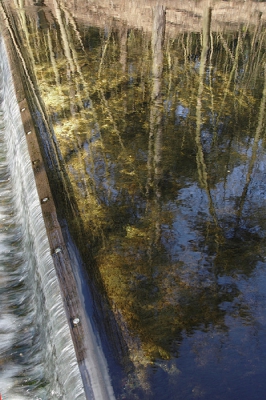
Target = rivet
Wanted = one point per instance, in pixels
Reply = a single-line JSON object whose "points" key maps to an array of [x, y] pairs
{"points": [[57, 250], [23, 109], [45, 199], [28, 133]]}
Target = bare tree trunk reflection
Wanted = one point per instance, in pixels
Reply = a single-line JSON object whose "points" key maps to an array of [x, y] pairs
{"points": [[155, 135], [65, 43], [201, 165], [260, 126], [123, 48], [156, 116]]}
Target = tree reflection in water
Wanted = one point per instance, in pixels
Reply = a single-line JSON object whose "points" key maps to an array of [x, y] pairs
{"points": [[161, 133]]}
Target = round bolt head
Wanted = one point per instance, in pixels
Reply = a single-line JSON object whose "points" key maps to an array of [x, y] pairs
{"points": [[76, 321]]}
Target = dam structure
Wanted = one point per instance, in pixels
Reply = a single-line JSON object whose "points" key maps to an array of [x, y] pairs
{"points": [[49, 348]]}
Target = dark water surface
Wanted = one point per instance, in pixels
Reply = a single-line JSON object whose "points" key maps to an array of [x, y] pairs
{"points": [[159, 121]]}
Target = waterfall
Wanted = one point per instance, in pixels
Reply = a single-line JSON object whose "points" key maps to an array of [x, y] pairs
{"points": [[37, 357]]}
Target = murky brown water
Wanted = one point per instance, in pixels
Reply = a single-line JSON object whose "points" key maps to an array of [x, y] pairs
{"points": [[159, 122]]}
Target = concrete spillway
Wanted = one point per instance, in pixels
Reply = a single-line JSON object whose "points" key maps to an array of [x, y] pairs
{"points": [[77, 357]]}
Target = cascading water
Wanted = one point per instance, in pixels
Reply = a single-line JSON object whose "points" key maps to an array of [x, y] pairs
{"points": [[37, 357]]}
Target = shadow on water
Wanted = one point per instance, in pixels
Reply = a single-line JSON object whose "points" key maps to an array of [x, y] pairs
{"points": [[158, 135]]}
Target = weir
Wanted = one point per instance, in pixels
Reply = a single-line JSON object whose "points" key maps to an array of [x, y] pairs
{"points": [[68, 359], [46, 313]]}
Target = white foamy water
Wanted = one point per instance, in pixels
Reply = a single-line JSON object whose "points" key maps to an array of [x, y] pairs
{"points": [[37, 357]]}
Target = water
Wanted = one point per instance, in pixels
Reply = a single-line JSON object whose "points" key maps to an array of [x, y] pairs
{"points": [[37, 357], [162, 135]]}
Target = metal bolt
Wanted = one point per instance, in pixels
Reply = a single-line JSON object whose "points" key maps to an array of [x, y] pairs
{"points": [[76, 321]]}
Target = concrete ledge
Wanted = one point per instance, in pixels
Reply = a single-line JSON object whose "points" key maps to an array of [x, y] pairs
{"points": [[57, 244]]}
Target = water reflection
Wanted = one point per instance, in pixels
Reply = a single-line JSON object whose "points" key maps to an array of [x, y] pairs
{"points": [[161, 132]]}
